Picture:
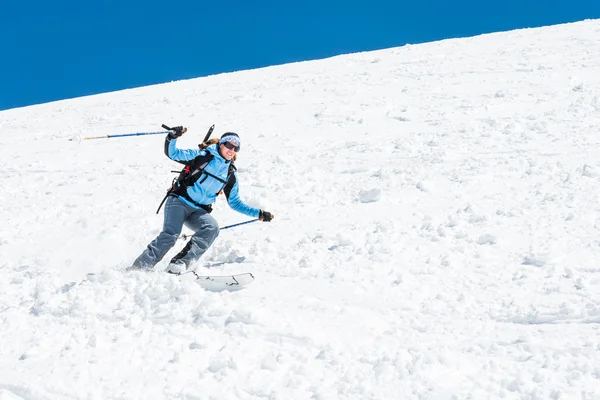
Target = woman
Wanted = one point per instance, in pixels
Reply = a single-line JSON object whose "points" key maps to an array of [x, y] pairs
{"points": [[210, 172]]}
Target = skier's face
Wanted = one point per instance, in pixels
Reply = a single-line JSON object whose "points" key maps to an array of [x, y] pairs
{"points": [[227, 152]]}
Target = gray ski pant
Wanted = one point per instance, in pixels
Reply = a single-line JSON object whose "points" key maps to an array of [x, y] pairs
{"points": [[177, 213]]}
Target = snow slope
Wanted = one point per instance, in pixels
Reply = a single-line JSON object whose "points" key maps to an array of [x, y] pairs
{"points": [[436, 233]]}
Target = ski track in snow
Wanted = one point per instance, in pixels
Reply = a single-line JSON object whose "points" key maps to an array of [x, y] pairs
{"points": [[436, 232]]}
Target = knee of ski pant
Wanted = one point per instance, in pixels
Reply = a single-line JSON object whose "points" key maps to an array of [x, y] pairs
{"points": [[208, 232], [212, 231], [170, 237], [171, 231]]}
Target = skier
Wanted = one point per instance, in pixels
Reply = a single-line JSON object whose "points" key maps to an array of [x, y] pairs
{"points": [[190, 202]]}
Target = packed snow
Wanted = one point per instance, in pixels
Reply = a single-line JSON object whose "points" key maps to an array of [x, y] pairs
{"points": [[436, 231]]}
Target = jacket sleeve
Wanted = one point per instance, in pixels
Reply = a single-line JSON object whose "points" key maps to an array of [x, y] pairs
{"points": [[232, 192], [178, 155]]}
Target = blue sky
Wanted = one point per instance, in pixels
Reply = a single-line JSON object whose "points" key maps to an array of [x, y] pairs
{"points": [[53, 50]]}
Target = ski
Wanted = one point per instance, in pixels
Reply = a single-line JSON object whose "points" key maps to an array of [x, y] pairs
{"points": [[217, 282]]}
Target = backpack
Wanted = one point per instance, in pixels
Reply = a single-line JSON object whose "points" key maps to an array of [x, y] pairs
{"points": [[188, 176]]}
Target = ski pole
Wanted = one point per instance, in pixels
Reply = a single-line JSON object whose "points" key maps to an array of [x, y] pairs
{"points": [[187, 236], [241, 223], [124, 134]]}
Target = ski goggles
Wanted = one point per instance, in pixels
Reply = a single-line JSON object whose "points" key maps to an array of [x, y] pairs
{"points": [[232, 146], [234, 139]]}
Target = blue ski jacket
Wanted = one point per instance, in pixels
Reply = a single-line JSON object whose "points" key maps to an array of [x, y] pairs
{"points": [[207, 188]]}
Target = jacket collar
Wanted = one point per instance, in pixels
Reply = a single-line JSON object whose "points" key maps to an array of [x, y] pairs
{"points": [[214, 150]]}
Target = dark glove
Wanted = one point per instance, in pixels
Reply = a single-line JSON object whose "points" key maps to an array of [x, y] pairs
{"points": [[265, 216], [177, 131]]}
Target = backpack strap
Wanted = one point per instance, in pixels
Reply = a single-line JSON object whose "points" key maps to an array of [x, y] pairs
{"points": [[230, 181], [187, 177]]}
